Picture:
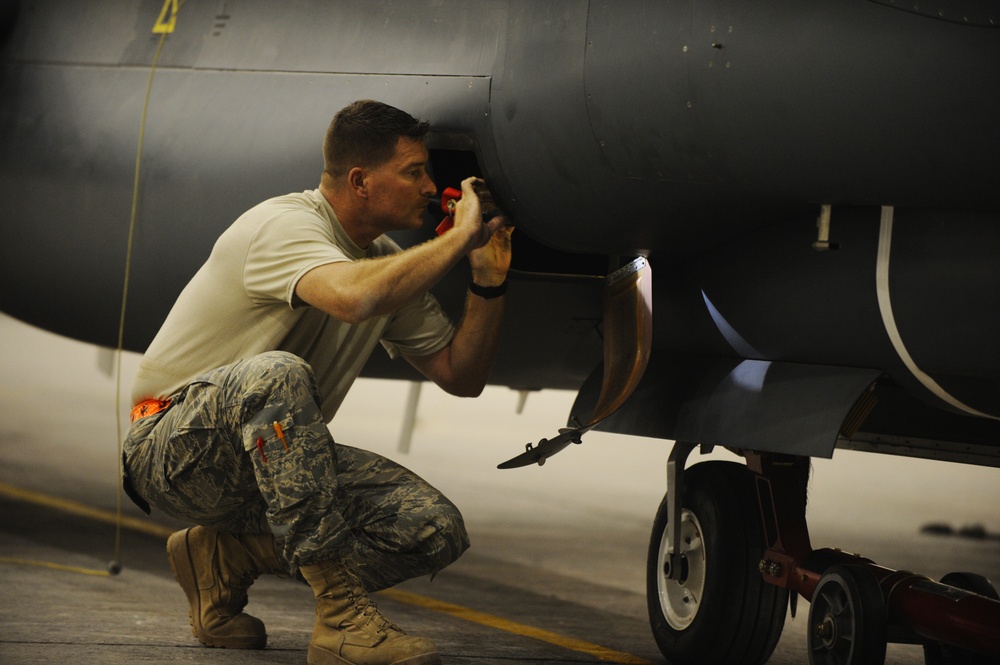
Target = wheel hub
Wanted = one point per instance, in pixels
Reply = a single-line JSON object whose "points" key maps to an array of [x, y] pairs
{"points": [[827, 632], [680, 595], [682, 569]]}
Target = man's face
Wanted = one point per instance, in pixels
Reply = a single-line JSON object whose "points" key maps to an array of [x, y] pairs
{"points": [[398, 191]]}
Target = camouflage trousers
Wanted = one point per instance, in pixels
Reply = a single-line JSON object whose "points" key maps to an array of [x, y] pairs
{"points": [[244, 448]]}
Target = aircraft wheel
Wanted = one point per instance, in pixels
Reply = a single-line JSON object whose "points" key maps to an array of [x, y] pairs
{"points": [[719, 610], [847, 621], [938, 653]]}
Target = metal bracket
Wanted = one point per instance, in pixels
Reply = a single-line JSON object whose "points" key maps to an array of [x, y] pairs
{"points": [[675, 493], [823, 242], [628, 342]]}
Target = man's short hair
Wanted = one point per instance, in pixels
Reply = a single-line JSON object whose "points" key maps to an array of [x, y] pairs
{"points": [[365, 134]]}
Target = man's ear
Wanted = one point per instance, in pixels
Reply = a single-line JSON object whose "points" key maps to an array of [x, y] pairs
{"points": [[357, 179]]}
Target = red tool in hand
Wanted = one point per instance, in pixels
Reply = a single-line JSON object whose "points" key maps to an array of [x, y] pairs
{"points": [[449, 199]]}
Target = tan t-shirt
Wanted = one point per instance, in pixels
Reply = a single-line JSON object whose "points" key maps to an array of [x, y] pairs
{"points": [[242, 302]]}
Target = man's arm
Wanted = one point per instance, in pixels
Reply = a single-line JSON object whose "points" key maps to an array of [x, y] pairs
{"points": [[358, 290], [462, 367]]}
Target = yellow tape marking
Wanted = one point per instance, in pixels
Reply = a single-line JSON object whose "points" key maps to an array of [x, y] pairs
{"points": [[54, 566], [74, 508], [163, 25], [440, 606], [483, 619]]}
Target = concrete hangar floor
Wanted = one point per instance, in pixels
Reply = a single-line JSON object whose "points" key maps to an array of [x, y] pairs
{"points": [[556, 572]]}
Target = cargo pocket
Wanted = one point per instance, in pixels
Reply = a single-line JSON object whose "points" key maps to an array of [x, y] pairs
{"points": [[289, 464]]}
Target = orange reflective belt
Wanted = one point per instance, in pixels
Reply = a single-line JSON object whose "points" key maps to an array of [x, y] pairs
{"points": [[148, 407]]}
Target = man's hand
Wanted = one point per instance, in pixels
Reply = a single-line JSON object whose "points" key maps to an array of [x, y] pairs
{"points": [[462, 367], [490, 254], [491, 262]]}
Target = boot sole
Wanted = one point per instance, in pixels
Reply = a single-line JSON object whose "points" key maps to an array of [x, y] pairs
{"points": [[179, 555], [318, 656]]}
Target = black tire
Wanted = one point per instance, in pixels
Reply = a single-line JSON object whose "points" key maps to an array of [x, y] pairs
{"points": [[738, 618], [847, 619], [937, 653]]}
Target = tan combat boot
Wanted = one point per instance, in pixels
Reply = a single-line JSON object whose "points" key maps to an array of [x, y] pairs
{"points": [[350, 630], [215, 570]]}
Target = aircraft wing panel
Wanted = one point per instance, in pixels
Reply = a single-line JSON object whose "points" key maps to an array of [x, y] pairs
{"points": [[902, 425], [756, 405]]}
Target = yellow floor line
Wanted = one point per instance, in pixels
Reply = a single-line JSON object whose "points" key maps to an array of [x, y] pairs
{"points": [[54, 566], [483, 619], [458, 611], [74, 508]]}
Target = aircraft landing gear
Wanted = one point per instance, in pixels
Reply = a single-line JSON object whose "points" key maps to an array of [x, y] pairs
{"points": [[708, 603], [729, 545]]}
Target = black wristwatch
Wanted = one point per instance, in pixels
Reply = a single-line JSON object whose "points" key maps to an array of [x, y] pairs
{"points": [[488, 292]]}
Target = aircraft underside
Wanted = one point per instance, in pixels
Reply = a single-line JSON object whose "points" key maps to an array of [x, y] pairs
{"points": [[728, 536]]}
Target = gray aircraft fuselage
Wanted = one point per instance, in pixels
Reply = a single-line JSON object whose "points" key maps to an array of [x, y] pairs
{"points": [[704, 135]]}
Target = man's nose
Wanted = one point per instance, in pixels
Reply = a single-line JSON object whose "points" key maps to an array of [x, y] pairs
{"points": [[430, 189]]}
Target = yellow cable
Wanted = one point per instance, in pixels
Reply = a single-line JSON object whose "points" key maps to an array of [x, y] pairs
{"points": [[163, 27], [128, 270]]}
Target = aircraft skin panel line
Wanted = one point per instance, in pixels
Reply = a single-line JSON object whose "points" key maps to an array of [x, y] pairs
{"points": [[885, 307]]}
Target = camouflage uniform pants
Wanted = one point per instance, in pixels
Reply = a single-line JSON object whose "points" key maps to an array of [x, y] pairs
{"points": [[215, 457]]}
